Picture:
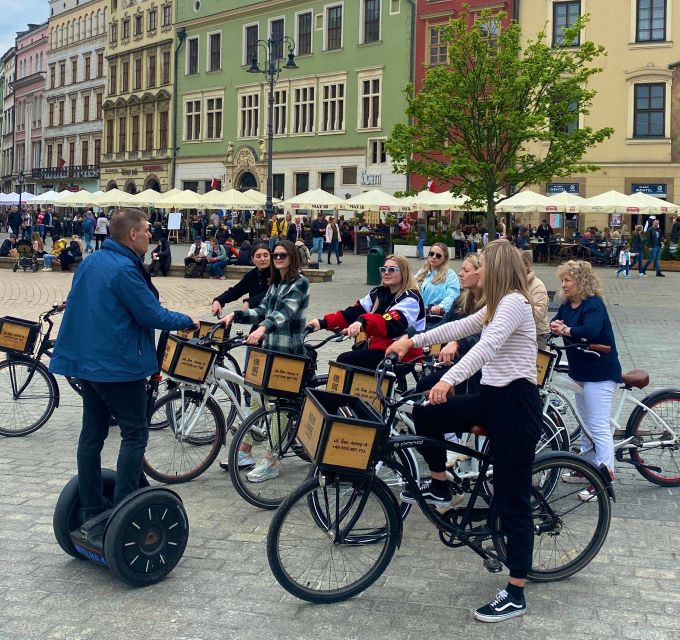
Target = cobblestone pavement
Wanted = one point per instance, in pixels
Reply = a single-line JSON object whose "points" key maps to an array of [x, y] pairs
{"points": [[223, 587]]}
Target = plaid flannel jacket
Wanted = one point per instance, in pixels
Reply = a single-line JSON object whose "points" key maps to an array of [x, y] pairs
{"points": [[282, 314]]}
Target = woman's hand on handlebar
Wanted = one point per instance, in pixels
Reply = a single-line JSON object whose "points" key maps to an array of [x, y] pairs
{"points": [[216, 309], [256, 336], [353, 330], [313, 325], [401, 347], [439, 393], [228, 319], [449, 352]]}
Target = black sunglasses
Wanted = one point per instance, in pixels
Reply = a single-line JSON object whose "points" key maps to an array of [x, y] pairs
{"points": [[436, 255], [279, 256]]}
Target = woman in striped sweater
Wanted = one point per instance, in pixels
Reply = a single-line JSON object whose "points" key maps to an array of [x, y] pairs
{"points": [[507, 405]]}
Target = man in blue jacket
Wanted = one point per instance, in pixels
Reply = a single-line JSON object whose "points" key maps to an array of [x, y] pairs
{"points": [[107, 341]]}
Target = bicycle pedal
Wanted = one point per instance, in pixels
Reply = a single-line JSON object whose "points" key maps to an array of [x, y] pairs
{"points": [[492, 565]]}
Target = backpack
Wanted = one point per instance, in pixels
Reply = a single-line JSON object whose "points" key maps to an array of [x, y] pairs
{"points": [[304, 260]]}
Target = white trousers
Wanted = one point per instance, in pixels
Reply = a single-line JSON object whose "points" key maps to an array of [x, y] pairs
{"points": [[594, 403]]}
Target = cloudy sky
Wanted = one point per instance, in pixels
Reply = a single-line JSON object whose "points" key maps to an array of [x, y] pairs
{"points": [[16, 14]]}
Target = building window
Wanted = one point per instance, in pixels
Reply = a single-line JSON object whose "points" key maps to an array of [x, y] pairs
{"points": [[334, 28], [126, 29], [214, 51], [97, 152], [134, 140], [304, 33], [650, 21], [100, 65], [192, 56], [109, 136], [276, 34], [153, 19], [369, 117], [84, 153], [151, 80], [278, 185], [371, 22], [301, 183], [564, 15], [71, 153], [122, 134], [394, 7], [166, 18], [349, 175], [49, 155], [88, 66], [192, 128], [148, 131], [376, 152], [114, 33], [650, 111], [99, 98], [50, 117], [74, 109], [252, 34], [213, 114], [303, 109], [165, 68], [437, 48], [280, 111], [74, 71], [62, 74], [163, 130], [125, 77], [62, 105], [53, 77], [60, 154], [333, 107], [112, 79], [86, 108], [249, 113], [138, 74], [139, 24], [327, 181]]}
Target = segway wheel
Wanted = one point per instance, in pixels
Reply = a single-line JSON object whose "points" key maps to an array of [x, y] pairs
{"points": [[66, 514], [15, 267], [35, 267], [146, 537]]}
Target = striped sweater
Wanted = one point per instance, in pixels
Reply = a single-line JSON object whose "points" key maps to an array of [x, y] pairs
{"points": [[506, 350]]}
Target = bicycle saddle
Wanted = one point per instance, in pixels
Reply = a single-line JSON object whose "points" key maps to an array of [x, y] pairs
{"points": [[635, 378]]}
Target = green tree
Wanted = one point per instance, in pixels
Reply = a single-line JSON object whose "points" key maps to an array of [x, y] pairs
{"points": [[498, 115]]}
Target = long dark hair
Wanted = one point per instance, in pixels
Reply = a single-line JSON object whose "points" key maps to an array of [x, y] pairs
{"points": [[294, 270]]}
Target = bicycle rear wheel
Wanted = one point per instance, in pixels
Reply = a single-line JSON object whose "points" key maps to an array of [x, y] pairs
{"points": [[648, 429], [568, 532], [336, 557], [25, 413], [174, 454], [269, 433]]}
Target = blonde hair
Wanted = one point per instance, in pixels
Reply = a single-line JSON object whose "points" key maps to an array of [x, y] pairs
{"points": [[466, 303], [407, 279], [588, 285], [504, 274], [442, 271]]}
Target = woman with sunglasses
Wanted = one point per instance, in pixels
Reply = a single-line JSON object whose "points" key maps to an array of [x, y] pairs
{"points": [[439, 285], [383, 315], [508, 405], [280, 319]]}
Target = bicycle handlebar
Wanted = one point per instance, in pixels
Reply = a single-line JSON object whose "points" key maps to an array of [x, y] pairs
{"points": [[387, 365], [583, 345]]}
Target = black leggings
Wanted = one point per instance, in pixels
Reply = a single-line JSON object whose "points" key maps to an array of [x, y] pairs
{"points": [[512, 416]]}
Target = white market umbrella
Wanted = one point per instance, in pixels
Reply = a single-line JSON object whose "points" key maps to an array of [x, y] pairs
{"points": [[114, 198], [656, 205], [316, 200], [572, 203], [13, 198], [259, 198], [182, 200], [432, 201], [49, 197], [613, 202], [375, 200], [228, 200], [148, 197], [82, 198], [529, 202]]}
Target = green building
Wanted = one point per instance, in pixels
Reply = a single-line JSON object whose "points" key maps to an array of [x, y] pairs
{"points": [[331, 115]]}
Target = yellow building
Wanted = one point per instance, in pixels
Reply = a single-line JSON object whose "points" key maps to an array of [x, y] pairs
{"points": [[635, 96], [137, 110]]}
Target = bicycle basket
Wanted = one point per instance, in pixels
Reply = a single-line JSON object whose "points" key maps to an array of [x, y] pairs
{"points": [[17, 335], [275, 373], [340, 432], [343, 378], [544, 363], [186, 360], [205, 328]]}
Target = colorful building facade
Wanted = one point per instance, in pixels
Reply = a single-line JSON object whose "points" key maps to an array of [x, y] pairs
{"points": [[7, 131]]}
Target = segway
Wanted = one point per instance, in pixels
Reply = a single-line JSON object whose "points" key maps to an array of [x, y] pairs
{"points": [[141, 540]]}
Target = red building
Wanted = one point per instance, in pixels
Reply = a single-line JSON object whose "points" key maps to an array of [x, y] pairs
{"points": [[429, 48]]}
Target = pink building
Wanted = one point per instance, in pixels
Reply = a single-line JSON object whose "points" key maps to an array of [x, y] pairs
{"points": [[29, 96]]}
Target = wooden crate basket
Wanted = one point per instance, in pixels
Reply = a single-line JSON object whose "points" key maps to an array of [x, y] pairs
{"points": [[203, 329], [185, 360], [544, 363], [275, 373], [340, 432], [17, 335], [343, 378]]}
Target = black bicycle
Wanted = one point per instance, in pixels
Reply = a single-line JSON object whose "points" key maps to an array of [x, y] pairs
{"points": [[335, 535]]}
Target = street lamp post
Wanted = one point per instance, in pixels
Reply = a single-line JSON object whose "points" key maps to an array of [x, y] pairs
{"points": [[271, 73], [20, 182]]}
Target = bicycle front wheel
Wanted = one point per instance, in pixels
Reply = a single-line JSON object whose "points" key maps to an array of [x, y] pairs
{"points": [[186, 437], [338, 556], [568, 532], [25, 412], [267, 434], [658, 444]]}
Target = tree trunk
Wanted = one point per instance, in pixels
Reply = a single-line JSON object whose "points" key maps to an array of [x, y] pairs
{"points": [[491, 217]]}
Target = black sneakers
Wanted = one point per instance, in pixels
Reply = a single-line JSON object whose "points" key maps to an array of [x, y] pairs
{"points": [[503, 607], [436, 497]]}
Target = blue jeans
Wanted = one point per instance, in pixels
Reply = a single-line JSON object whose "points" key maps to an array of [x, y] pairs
{"points": [[317, 247], [47, 260], [101, 400], [421, 244], [333, 247], [217, 268], [653, 257]]}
